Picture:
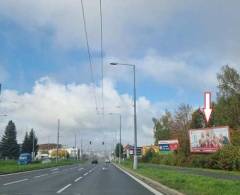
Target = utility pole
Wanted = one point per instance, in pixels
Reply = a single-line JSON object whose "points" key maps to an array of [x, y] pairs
{"points": [[75, 146], [33, 148], [135, 160], [58, 139]]}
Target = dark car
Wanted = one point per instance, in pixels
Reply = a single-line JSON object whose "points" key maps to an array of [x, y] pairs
{"points": [[94, 161]]}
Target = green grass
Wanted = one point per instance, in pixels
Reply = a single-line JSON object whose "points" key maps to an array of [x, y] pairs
{"points": [[11, 166], [187, 183]]}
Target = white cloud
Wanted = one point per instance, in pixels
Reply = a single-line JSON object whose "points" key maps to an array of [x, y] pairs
{"points": [[126, 24], [136, 26], [74, 105]]}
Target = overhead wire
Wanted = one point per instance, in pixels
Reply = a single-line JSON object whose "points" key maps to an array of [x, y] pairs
{"points": [[102, 73], [89, 56]]}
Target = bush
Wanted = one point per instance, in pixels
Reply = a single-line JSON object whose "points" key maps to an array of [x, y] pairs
{"points": [[228, 158], [148, 156]]}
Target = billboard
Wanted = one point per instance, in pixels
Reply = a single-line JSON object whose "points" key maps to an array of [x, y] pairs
{"points": [[208, 140], [168, 145], [139, 151]]}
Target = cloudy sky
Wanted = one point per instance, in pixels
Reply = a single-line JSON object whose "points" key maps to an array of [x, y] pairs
{"points": [[177, 46]]}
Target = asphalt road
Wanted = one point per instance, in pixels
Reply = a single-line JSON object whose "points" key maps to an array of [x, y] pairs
{"points": [[85, 179]]}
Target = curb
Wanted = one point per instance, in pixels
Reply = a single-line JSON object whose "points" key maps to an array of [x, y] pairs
{"points": [[154, 184]]}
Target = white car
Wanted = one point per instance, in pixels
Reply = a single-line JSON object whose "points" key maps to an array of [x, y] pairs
{"points": [[107, 161], [46, 160]]}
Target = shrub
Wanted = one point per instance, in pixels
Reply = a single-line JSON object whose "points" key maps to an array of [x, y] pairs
{"points": [[228, 158], [148, 156]]}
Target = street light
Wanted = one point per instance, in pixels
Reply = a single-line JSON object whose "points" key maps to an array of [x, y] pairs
{"points": [[120, 135], [135, 163]]}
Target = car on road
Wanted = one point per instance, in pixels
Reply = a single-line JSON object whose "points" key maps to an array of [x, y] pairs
{"points": [[95, 161], [24, 158], [107, 161]]}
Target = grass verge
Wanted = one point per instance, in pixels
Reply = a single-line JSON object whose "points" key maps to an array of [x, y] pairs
{"points": [[186, 183], [11, 166]]}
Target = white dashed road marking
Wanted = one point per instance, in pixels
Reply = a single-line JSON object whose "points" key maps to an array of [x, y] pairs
{"points": [[41, 175], [76, 180], [64, 188], [13, 182]]}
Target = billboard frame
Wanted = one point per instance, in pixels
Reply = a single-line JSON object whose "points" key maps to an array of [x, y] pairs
{"points": [[208, 128]]}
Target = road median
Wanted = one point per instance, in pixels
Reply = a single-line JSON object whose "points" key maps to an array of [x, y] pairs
{"points": [[10, 167]]}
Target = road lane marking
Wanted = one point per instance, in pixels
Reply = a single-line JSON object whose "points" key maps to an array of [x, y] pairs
{"points": [[54, 169], [76, 180], [140, 182], [85, 174], [41, 175], [64, 188], [55, 172], [13, 182]]}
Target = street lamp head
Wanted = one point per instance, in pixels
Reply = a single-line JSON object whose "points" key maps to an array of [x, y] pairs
{"points": [[113, 63]]}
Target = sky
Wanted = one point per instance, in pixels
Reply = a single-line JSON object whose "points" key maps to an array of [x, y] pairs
{"points": [[178, 47]]}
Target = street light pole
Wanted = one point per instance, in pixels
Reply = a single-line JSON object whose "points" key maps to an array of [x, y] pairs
{"points": [[135, 120], [120, 140], [135, 160], [58, 139]]}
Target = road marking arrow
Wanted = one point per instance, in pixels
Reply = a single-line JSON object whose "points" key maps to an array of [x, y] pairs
{"points": [[207, 106]]}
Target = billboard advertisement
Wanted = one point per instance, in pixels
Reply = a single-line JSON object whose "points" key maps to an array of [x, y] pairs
{"points": [[208, 140], [139, 151], [168, 145]]}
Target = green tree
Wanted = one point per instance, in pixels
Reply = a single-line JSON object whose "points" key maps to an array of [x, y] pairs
{"points": [[227, 109], [27, 146], [117, 150], [162, 127], [197, 120], [228, 82], [8, 146]]}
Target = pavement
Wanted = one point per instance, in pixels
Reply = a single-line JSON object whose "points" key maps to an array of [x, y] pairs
{"points": [[87, 179]]}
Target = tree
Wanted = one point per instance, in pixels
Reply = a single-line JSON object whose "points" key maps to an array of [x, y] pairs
{"points": [[197, 120], [8, 145], [183, 116], [33, 140], [62, 153], [227, 111], [117, 150], [228, 82], [162, 127], [27, 146]]}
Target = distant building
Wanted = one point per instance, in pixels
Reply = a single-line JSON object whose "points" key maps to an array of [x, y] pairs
{"points": [[127, 150]]}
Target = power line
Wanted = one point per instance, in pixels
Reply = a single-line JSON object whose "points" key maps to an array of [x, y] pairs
{"points": [[89, 54], [101, 24]]}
